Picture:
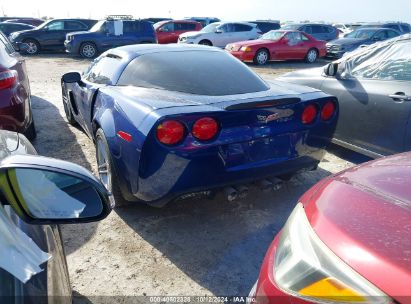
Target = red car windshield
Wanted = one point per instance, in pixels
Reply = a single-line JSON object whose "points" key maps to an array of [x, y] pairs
{"points": [[272, 35]]}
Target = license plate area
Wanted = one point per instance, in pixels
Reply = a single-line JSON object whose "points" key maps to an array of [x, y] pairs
{"points": [[255, 151]]}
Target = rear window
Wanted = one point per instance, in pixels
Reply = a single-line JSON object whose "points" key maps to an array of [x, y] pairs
{"points": [[238, 27], [195, 72], [131, 27], [184, 26], [266, 27]]}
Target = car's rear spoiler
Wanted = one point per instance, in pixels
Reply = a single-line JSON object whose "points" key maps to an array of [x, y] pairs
{"points": [[263, 104]]}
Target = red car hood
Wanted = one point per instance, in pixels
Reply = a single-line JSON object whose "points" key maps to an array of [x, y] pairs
{"points": [[253, 42], [364, 216]]}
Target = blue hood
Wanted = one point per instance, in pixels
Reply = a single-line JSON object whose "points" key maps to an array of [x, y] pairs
{"points": [[348, 41]]}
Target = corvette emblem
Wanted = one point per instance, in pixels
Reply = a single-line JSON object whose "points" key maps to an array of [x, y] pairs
{"points": [[275, 116]]}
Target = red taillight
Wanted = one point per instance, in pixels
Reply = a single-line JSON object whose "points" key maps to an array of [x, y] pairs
{"points": [[7, 79], [205, 128], [170, 132], [309, 114], [327, 111]]}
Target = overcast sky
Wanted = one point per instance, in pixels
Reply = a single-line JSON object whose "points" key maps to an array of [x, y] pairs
{"points": [[295, 10]]}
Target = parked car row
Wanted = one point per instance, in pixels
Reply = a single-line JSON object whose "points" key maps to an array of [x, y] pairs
{"points": [[50, 35], [163, 131]]}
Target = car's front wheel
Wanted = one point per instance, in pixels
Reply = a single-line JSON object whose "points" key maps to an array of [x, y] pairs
{"points": [[205, 42], [106, 169], [88, 50], [311, 56], [33, 47], [261, 57]]}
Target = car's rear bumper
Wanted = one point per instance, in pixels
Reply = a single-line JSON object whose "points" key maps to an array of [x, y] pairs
{"points": [[163, 176]]}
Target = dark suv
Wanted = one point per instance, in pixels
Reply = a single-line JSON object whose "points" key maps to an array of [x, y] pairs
{"points": [[109, 33], [318, 30], [266, 25], [50, 35], [398, 26]]}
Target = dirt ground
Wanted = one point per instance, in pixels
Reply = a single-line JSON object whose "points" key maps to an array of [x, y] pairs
{"points": [[201, 247]]}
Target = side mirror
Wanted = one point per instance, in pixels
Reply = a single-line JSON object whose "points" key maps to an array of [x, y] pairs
{"points": [[218, 31], [71, 77], [44, 190], [376, 38], [331, 69]]}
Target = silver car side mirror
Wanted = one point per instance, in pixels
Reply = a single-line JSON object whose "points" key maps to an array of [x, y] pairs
{"points": [[44, 190]]}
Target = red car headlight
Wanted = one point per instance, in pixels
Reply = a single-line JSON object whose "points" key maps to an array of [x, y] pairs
{"points": [[306, 268], [246, 49]]}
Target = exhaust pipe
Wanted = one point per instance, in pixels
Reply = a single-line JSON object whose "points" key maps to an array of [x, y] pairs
{"points": [[277, 183], [265, 185], [242, 192], [231, 194]]}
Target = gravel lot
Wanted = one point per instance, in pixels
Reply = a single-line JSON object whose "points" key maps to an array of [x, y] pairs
{"points": [[201, 247]]}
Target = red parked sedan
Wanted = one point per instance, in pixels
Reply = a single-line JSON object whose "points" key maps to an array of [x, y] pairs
{"points": [[279, 45], [169, 31], [15, 106], [348, 240]]}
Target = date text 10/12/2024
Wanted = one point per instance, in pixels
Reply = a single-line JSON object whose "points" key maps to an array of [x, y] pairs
{"points": [[202, 299]]}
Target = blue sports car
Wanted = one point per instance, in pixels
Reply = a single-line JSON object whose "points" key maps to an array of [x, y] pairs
{"points": [[172, 120]]}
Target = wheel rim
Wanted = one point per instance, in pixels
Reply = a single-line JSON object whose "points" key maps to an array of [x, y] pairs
{"points": [[262, 57], [88, 50], [32, 48], [104, 171], [312, 56]]}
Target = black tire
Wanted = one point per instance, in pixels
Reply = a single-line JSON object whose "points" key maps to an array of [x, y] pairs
{"points": [[262, 56], [205, 42], [31, 132], [88, 50], [33, 47], [67, 108], [310, 58], [113, 185]]}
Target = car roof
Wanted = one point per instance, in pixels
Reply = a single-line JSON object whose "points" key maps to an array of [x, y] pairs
{"points": [[237, 22], [17, 23], [376, 29], [130, 52], [264, 21], [181, 20]]}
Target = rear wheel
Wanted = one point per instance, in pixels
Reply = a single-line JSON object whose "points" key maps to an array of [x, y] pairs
{"points": [[205, 42], [106, 170], [33, 47], [88, 50], [311, 56], [261, 57]]}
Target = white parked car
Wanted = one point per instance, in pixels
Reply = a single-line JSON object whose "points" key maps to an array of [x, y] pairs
{"points": [[222, 33], [344, 29]]}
